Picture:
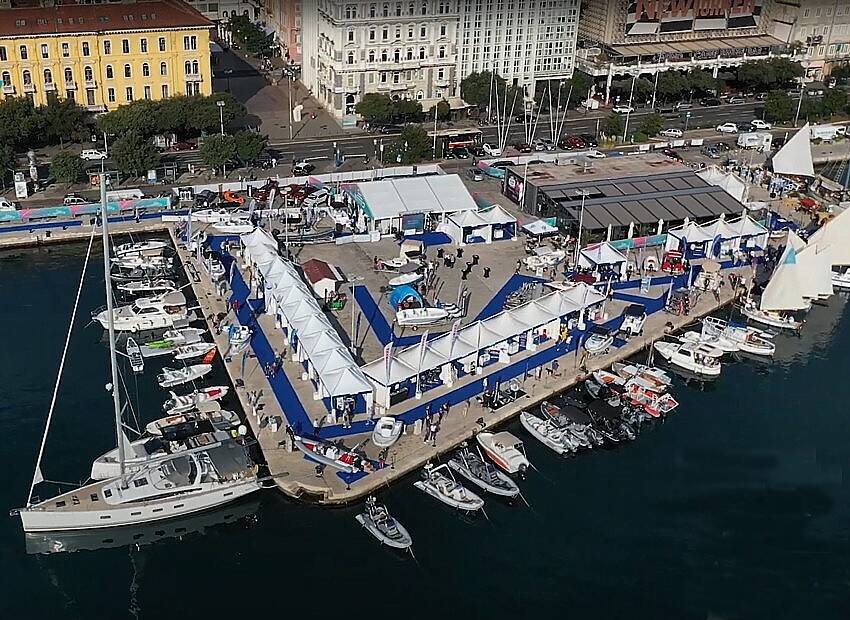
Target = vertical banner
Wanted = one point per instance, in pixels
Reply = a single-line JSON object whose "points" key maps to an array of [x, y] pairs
{"points": [[388, 356], [453, 338]]}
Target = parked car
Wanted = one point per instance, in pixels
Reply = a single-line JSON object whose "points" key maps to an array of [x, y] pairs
{"points": [[761, 96], [504, 163], [623, 109], [92, 155], [683, 105], [74, 199], [727, 128], [491, 150], [815, 92], [390, 129], [595, 155], [542, 144], [589, 140], [736, 100], [576, 142], [710, 151], [461, 152], [758, 124], [672, 133], [524, 147], [672, 154], [183, 146], [316, 198], [302, 168], [6, 204], [477, 151], [710, 102], [723, 146], [475, 174]]}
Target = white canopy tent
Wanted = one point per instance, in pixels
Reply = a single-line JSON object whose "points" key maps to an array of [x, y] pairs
{"points": [[479, 226], [602, 254], [795, 158], [690, 232], [731, 183], [539, 228]]}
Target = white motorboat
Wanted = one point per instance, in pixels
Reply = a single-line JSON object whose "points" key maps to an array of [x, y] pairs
{"points": [[333, 455], [599, 340], [218, 418], [771, 318], [406, 279], [215, 269], [649, 377], [191, 351], [147, 263], [634, 318], [147, 313], [482, 473], [387, 431], [545, 432], [169, 377], [148, 247], [179, 485], [749, 339], [544, 257], [719, 341], [698, 358], [420, 316], [220, 216], [134, 354], [841, 279], [233, 228], [438, 482], [187, 402], [238, 337], [170, 340], [147, 287], [377, 520], [505, 450]]}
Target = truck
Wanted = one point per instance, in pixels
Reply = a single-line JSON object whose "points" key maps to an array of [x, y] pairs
{"points": [[827, 133], [759, 140]]}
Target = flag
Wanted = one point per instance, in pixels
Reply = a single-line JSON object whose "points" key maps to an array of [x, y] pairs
{"points": [[423, 344], [388, 356], [453, 337]]}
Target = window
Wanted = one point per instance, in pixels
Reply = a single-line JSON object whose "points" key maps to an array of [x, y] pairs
{"points": [[110, 95], [165, 91], [127, 71], [69, 76], [7, 78], [372, 34], [443, 30], [3, 53], [421, 53], [146, 70], [441, 52], [140, 483], [143, 46], [107, 47], [129, 93], [86, 49], [196, 68], [66, 50], [350, 11], [23, 52], [27, 77], [125, 46], [372, 10], [48, 76], [147, 92], [109, 73], [190, 43], [422, 32], [351, 36], [187, 67], [351, 58], [162, 44], [371, 56], [163, 68], [45, 51], [88, 74]]}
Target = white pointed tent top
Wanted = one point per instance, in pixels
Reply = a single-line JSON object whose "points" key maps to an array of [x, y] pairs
{"points": [[795, 158], [745, 226], [835, 234], [601, 254], [258, 238], [346, 381], [785, 290], [691, 232], [731, 183], [720, 228]]}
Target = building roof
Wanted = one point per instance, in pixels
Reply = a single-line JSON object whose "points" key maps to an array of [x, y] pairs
{"points": [[316, 270], [393, 198], [96, 18]]}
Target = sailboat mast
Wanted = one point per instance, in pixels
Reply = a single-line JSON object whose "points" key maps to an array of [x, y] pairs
{"points": [[113, 358]]}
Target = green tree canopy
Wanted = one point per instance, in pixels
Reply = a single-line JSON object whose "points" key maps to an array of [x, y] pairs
{"points": [[134, 155], [411, 147], [249, 145], [766, 74], [475, 88], [833, 102], [779, 107], [217, 151], [66, 166], [375, 107], [672, 86], [444, 111], [63, 121], [21, 125], [613, 125], [651, 125], [254, 39]]}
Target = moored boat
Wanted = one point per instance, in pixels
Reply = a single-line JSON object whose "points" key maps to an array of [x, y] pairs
{"points": [[420, 316], [482, 473], [771, 318], [546, 433], [387, 431], [169, 377], [377, 520], [438, 482], [186, 402], [218, 418], [505, 450], [191, 351], [147, 286], [134, 354], [700, 359], [648, 376], [718, 341], [332, 455]]}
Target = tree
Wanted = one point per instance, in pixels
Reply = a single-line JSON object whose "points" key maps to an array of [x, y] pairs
{"points": [[20, 124], [66, 167], [204, 114], [672, 85], [779, 107], [833, 102], [444, 111], [249, 145], [411, 147], [841, 73], [475, 88], [375, 107], [217, 151], [134, 155], [255, 40], [613, 125], [8, 161], [63, 120], [702, 82], [407, 110], [651, 125]]}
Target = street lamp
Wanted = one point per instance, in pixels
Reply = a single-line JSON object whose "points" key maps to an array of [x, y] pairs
{"points": [[584, 195], [220, 103]]}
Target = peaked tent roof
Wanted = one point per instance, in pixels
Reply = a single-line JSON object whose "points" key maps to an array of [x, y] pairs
{"points": [[836, 234], [785, 290], [745, 226], [731, 183], [692, 233], [603, 254], [795, 158], [720, 228]]}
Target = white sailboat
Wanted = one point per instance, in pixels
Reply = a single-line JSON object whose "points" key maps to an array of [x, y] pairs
{"points": [[187, 483], [783, 294], [816, 265]]}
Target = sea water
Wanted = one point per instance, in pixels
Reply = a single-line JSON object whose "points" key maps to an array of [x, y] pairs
{"points": [[735, 507]]}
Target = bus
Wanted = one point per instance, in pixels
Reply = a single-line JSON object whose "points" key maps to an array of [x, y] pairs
{"points": [[448, 139]]}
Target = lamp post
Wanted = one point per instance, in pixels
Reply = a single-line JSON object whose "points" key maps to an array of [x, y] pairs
{"points": [[220, 105], [629, 108], [584, 194]]}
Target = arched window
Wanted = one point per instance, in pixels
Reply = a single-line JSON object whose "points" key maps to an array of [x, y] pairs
{"points": [[371, 55], [398, 9], [420, 95], [421, 53], [384, 56], [146, 69], [397, 55], [441, 52], [163, 68], [196, 68], [409, 54], [7, 78], [109, 74], [187, 66], [48, 76], [69, 75], [27, 77], [351, 58], [88, 74], [386, 10], [373, 10], [411, 9], [127, 71], [424, 8], [351, 11]]}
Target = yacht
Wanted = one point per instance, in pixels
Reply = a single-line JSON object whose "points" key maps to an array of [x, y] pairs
{"points": [[160, 311], [149, 247], [698, 358]]}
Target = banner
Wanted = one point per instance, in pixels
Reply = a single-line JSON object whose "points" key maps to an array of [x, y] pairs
{"points": [[423, 343], [388, 356]]}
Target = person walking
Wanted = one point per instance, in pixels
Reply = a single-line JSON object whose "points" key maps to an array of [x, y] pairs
{"points": [[433, 428]]}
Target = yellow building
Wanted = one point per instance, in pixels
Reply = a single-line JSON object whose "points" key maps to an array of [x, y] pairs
{"points": [[105, 55]]}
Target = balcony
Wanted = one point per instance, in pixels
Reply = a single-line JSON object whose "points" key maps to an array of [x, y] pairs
{"points": [[72, 85], [8, 89], [194, 77], [29, 88], [50, 86], [441, 83], [91, 83]]}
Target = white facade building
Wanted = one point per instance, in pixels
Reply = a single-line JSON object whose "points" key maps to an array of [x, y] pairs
{"points": [[819, 28]]}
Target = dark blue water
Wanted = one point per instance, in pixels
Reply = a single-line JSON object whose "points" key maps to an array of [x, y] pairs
{"points": [[737, 507]]}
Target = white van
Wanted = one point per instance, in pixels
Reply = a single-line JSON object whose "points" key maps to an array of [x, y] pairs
{"points": [[827, 133], [759, 140]]}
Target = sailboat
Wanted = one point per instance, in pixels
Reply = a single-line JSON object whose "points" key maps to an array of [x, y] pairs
{"points": [[783, 294], [186, 483]]}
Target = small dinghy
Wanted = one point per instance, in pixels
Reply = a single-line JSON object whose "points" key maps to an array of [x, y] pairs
{"points": [[332, 455], [599, 340], [718, 340], [546, 433], [191, 351], [420, 316], [377, 520], [149, 247], [387, 431], [770, 318], [406, 279], [233, 228], [655, 404], [701, 359], [505, 450], [134, 354], [186, 402], [481, 473], [220, 420], [749, 339], [438, 482], [170, 340], [147, 287], [603, 377], [169, 377], [655, 379]]}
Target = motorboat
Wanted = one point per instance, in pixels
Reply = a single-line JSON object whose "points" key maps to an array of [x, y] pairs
{"points": [[420, 316], [135, 274], [147, 313], [187, 402], [655, 379], [544, 257], [749, 339], [482, 473], [169, 377], [634, 318], [573, 418], [505, 450], [841, 279], [333, 455], [438, 482], [238, 337], [603, 377], [771, 318], [233, 228], [655, 404], [699, 358], [218, 419], [146, 451], [142, 262], [387, 431], [599, 340], [377, 520], [546, 433], [607, 419], [148, 247], [215, 269], [727, 345], [170, 340], [147, 287], [191, 351], [134, 354], [406, 279], [220, 216], [394, 264]]}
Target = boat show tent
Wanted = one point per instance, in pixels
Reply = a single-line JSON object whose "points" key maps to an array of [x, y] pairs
{"points": [[795, 158], [502, 331], [785, 290], [601, 255], [494, 224], [725, 236], [690, 238], [539, 228], [315, 341], [835, 234]]}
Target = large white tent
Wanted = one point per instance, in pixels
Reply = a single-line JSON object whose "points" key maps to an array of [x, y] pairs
{"points": [[480, 226], [601, 254], [731, 234], [795, 158], [731, 183]]}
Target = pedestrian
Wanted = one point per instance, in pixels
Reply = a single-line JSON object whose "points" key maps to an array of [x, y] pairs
{"points": [[460, 252], [555, 367], [518, 265], [433, 429]]}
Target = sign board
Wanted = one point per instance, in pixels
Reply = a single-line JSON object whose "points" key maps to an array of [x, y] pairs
{"points": [[657, 17], [645, 284], [21, 189]]}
